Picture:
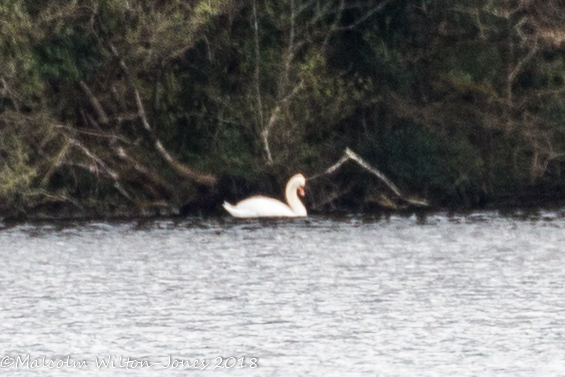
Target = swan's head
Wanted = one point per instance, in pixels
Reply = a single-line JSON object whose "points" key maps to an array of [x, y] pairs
{"points": [[299, 182]]}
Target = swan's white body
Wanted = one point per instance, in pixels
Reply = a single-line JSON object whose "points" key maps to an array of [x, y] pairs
{"points": [[261, 206]]}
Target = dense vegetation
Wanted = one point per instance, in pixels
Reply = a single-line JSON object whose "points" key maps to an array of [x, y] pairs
{"points": [[113, 104]]}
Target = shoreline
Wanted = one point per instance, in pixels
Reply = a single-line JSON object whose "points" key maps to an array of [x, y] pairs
{"points": [[505, 208]]}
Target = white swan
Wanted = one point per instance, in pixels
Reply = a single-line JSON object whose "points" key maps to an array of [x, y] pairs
{"points": [[261, 206]]}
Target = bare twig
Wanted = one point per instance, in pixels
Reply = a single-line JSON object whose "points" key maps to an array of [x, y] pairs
{"points": [[109, 171], [364, 18], [331, 197], [12, 95], [111, 136], [55, 166], [102, 117], [512, 75]]}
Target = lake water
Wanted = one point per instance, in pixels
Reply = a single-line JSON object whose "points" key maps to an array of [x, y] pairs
{"points": [[462, 295]]}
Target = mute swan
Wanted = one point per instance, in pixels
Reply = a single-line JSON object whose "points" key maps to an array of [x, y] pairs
{"points": [[261, 206]]}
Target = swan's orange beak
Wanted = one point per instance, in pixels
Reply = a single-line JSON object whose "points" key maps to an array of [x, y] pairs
{"points": [[301, 191]]}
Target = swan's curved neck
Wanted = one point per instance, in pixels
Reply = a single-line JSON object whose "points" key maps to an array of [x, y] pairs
{"points": [[292, 198]]}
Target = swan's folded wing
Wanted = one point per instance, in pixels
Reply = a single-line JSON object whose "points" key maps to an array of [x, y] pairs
{"points": [[260, 206], [237, 212]]}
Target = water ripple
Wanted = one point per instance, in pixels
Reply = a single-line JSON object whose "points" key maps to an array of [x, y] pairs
{"points": [[466, 295]]}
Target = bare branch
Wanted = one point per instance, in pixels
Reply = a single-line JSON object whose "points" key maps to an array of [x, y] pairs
{"points": [[348, 154], [273, 119], [258, 82], [204, 179], [148, 173]]}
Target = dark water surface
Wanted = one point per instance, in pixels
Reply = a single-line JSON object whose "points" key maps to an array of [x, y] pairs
{"points": [[467, 295]]}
